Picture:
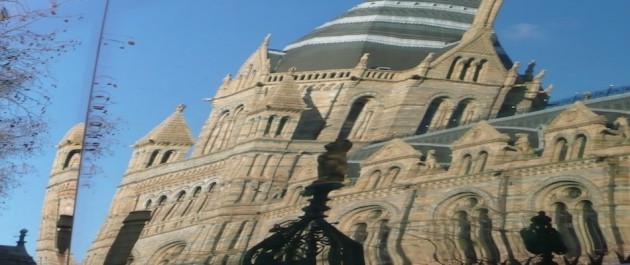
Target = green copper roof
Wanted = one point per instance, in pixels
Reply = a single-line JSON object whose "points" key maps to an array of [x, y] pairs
{"points": [[397, 34]]}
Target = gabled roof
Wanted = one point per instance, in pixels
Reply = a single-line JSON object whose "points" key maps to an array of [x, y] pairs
{"points": [[576, 115], [395, 149], [480, 133], [396, 34], [173, 131]]}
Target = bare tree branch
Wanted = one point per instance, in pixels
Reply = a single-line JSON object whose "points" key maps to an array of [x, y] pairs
{"points": [[26, 50]]}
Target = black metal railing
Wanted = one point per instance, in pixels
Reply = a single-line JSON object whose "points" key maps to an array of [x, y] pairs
{"points": [[611, 90]]}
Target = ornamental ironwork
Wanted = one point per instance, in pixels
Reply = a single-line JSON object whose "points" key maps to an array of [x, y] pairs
{"points": [[311, 239], [542, 239]]}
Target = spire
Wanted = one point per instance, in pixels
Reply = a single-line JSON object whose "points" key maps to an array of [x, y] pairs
{"points": [[265, 44], [487, 14], [173, 130], [484, 19]]}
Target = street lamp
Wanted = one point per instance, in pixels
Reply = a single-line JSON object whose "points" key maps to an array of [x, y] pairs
{"points": [[303, 241], [542, 239]]}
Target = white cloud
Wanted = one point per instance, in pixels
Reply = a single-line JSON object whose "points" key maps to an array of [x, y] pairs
{"points": [[525, 31]]}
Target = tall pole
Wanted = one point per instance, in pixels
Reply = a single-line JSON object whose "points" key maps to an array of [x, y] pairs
{"points": [[88, 117]]}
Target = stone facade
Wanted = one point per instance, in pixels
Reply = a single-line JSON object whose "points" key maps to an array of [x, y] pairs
{"points": [[450, 160]]}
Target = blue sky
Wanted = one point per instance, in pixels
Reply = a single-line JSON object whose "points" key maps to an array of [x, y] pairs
{"points": [[183, 49]]}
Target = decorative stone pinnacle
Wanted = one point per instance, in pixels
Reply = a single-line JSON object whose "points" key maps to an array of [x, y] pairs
{"points": [[181, 107]]}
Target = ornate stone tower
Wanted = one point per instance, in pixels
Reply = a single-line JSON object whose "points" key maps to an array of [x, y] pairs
{"points": [[58, 211]]}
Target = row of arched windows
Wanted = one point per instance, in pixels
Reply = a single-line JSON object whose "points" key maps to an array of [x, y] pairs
{"points": [[180, 195], [467, 69], [224, 131], [164, 209], [274, 127], [465, 225], [580, 228], [379, 178], [474, 230], [370, 226], [159, 157], [565, 150], [561, 150], [229, 128], [471, 165], [442, 113]]}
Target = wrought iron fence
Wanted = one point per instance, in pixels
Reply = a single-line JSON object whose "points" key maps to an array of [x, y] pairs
{"points": [[611, 90]]}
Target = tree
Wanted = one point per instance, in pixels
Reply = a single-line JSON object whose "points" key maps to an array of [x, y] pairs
{"points": [[27, 47]]}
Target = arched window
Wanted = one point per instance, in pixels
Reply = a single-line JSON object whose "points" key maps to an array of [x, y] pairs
{"points": [[253, 126], [392, 173], [434, 116], [161, 200], [579, 145], [382, 254], [167, 155], [225, 260], [211, 187], [591, 223], [376, 179], [491, 251], [196, 192], [454, 65], [561, 149], [464, 68], [283, 123], [238, 234], [464, 239], [152, 158], [466, 167], [463, 114], [268, 126], [359, 118], [482, 159], [167, 254], [369, 226], [360, 232], [564, 225], [72, 160], [234, 127], [218, 132], [147, 205], [180, 196], [480, 71]]}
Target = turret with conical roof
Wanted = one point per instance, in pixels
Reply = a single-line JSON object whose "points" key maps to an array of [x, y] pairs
{"points": [[167, 142], [278, 111], [69, 150]]}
